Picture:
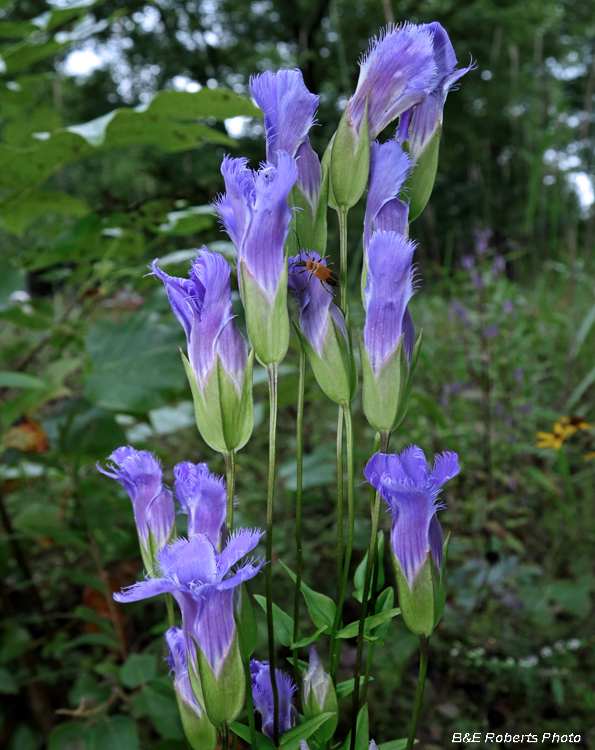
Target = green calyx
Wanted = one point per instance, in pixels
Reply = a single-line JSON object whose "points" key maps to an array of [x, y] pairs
{"points": [[268, 325], [422, 603], [421, 182], [222, 695], [348, 162], [335, 370], [224, 417], [310, 221], [199, 731], [386, 393], [312, 709]]}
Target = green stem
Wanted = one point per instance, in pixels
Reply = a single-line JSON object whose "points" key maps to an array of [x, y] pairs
{"points": [[230, 472], [421, 681], [339, 500], [272, 372], [169, 603], [336, 647], [298, 510], [249, 701], [224, 734], [343, 257], [384, 437]]}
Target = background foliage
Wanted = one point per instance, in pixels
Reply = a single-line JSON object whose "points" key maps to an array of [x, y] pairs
{"points": [[89, 351]]}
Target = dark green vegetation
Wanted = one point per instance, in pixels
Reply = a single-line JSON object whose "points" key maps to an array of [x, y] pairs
{"points": [[92, 352]]}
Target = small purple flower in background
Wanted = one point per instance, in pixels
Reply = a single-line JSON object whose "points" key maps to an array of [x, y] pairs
{"points": [[457, 309], [507, 306], [389, 168], [202, 497], [468, 262], [396, 73], [457, 386], [289, 110], [140, 474], [519, 376], [389, 288], [200, 580], [262, 692], [525, 408], [490, 332], [315, 301], [482, 239], [202, 304], [476, 280], [498, 265], [411, 493], [419, 123], [255, 214], [499, 409]]}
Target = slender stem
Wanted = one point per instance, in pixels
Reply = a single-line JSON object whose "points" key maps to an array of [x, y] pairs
{"points": [[421, 681], [250, 702], [384, 436], [298, 510], [346, 408], [339, 500], [343, 258], [230, 472], [224, 734], [272, 371]]}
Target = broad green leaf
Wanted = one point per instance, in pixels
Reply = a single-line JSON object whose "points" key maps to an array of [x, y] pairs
{"points": [[322, 608], [136, 364], [20, 380], [68, 737], [262, 741], [117, 733], [309, 639], [8, 684], [162, 711], [82, 429], [346, 688], [395, 745], [351, 630], [138, 670], [32, 205], [282, 622], [190, 220], [291, 740]]}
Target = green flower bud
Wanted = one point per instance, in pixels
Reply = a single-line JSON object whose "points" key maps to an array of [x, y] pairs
{"points": [[318, 697]]}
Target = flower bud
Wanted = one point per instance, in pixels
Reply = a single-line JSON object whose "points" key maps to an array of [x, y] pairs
{"points": [[349, 161], [319, 696]]}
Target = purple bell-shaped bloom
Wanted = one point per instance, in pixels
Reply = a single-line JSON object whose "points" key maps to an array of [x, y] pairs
{"points": [[202, 497], [289, 110], [140, 473], [418, 124], [199, 731], [262, 692], [218, 366], [202, 582], [255, 214], [396, 73], [412, 494]]}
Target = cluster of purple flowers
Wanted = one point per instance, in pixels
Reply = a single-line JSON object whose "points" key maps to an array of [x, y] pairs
{"points": [[406, 75]]}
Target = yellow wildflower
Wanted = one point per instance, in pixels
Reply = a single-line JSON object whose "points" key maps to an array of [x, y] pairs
{"points": [[590, 456]]}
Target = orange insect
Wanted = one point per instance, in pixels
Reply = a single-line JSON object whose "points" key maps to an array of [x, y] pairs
{"points": [[317, 268]]}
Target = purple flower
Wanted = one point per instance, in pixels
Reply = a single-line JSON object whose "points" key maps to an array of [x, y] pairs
{"points": [[419, 123], [315, 301], [507, 306], [396, 73], [202, 582], [263, 697], [498, 265], [255, 214], [389, 168], [202, 304], [482, 239], [289, 110], [389, 287], [490, 332], [411, 493], [140, 473], [178, 664], [519, 376], [468, 262], [202, 497]]}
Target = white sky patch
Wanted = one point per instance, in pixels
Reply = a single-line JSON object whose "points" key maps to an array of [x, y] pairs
{"points": [[582, 185], [567, 70], [237, 126], [184, 83], [82, 63]]}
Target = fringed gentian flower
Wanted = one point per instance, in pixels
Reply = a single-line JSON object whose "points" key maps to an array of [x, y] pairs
{"points": [[202, 497], [202, 582], [411, 492], [289, 110], [396, 73], [255, 214], [199, 731], [318, 697], [418, 124], [140, 473], [388, 358], [262, 692], [218, 366], [322, 330]]}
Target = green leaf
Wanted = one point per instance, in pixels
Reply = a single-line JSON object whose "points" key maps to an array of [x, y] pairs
{"points": [[162, 711], [291, 740], [117, 733], [138, 670], [262, 741], [31, 205], [322, 608], [346, 688], [135, 365], [8, 684], [351, 630], [68, 737], [309, 639], [190, 220], [282, 622], [20, 380], [395, 745]]}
